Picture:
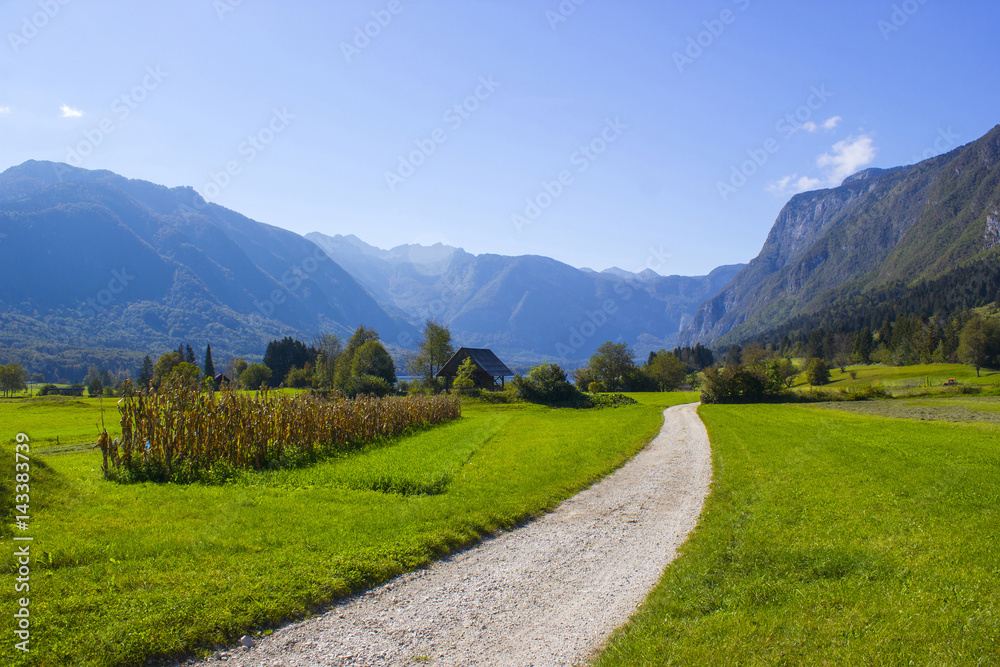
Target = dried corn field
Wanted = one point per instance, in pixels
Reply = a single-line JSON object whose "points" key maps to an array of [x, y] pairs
{"points": [[179, 433]]}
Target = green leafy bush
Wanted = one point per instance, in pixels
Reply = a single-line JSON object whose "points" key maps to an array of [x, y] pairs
{"points": [[611, 400], [254, 376], [547, 384], [367, 385], [498, 397], [743, 384], [299, 378]]}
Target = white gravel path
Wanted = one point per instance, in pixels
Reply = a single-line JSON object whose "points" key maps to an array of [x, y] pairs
{"points": [[549, 593]]}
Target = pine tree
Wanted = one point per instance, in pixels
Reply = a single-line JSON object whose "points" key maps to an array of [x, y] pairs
{"points": [[209, 367], [146, 373], [189, 355], [818, 372]]}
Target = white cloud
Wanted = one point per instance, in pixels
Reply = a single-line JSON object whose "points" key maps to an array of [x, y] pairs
{"points": [[845, 158], [812, 126], [848, 157], [70, 112], [794, 184], [4, 110]]}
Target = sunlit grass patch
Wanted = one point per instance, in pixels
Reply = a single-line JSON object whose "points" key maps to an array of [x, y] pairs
{"points": [[832, 539], [126, 573]]}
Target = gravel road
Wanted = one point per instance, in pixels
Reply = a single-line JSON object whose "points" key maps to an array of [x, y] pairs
{"points": [[549, 593]]}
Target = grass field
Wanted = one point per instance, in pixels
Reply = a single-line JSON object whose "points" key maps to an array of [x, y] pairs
{"points": [[981, 409], [832, 538], [70, 420], [124, 573], [903, 378]]}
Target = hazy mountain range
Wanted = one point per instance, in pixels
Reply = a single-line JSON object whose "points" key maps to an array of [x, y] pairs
{"points": [[100, 269], [528, 308], [120, 268]]}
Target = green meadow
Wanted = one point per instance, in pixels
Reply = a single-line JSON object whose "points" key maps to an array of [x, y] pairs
{"points": [[125, 573], [835, 538], [840, 533], [906, 378]]}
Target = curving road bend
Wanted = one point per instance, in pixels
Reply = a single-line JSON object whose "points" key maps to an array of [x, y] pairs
{"points": [[547, 594]]}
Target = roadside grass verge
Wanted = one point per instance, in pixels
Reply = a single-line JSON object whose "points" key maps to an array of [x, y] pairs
{"points": [[123, 574], [832, 538]]}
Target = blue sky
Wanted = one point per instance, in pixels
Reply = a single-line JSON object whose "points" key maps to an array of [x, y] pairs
{"points": [[632, 133]]}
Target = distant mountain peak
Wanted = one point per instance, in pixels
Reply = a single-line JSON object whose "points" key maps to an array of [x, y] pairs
{"points": [[527, 307], [644, 275]]}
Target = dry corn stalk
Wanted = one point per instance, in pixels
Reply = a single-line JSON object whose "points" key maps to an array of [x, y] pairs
{"points": [[181, 433]]}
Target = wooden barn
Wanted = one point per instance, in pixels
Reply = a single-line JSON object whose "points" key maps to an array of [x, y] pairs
{"points": [[490, 371]]}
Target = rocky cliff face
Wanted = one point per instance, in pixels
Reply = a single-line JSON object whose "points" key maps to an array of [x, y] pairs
{"points": [[879, 226], [992, 235]]}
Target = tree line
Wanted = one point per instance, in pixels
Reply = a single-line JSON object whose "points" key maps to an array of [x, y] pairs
{"points": [[967, 337], [613, 368], [359, 365]]}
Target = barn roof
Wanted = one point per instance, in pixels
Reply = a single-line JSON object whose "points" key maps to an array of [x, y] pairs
{"points": [[485, 359]]}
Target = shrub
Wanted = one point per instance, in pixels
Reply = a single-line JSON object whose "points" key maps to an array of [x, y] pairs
{"points": [[547, 384], [367, 385], [299, 378], [742, 384], [498, 397], [254, 376], [611, 400], [596, 387], [47, 389]]}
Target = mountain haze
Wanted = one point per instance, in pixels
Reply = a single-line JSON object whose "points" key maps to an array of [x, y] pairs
{"points": [[528, 308], [98, 269], [94, 260]]}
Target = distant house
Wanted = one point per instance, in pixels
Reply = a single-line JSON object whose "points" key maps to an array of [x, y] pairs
{"points": [[221, 380], [490, 371]]}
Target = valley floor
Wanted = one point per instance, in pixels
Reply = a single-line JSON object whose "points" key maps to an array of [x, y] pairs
{"points": [[837, 534], [548, 593]]}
